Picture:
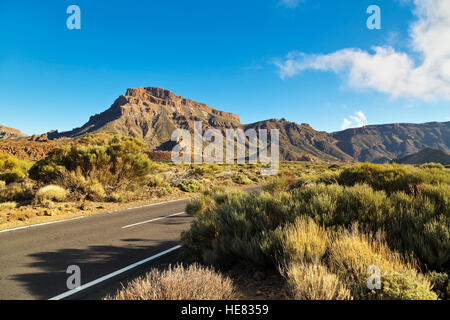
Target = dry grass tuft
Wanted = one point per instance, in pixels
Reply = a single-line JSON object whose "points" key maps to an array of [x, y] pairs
{"points": [[51, 193], [8, 205], [304, 241], [314, 282], [178, 283]]}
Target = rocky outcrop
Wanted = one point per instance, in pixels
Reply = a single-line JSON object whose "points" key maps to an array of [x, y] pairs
{"points": [[7, 133]]}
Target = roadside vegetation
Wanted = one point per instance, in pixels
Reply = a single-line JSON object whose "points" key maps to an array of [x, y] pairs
{"points": [[103, 171], [324, 229], [320, 227]]}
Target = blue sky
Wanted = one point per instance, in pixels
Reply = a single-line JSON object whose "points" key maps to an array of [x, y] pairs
{"points": [[229, 54]]}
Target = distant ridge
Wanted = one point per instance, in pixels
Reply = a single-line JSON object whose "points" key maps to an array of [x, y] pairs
{"points": [[383, 143], [427, 155]]}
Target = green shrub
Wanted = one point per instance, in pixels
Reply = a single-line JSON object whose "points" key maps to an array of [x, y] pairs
{"points": [[417, 226], [164, 189], [234, 225], [402, 287], [12, 169], [392, 178], [441, 284], [16, 192], [241, 178], [116, 162], [201, 170], [432, 165], [190, 185]]}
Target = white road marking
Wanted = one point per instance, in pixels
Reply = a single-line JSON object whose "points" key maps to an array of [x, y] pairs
{"points": [[41, 224], [160, 203], [153, 220], [111, 275]]}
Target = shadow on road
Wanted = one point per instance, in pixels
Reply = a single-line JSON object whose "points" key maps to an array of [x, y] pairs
{"points": [[95, 262]]}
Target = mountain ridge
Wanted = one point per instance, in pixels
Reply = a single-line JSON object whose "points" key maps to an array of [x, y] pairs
{"points": [[152, 114]]}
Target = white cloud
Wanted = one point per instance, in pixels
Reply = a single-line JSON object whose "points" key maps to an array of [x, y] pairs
{"points": [[357, 120], [387, 70], [290, 3]]}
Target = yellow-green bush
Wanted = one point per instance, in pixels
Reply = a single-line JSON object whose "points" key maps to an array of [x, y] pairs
{"points": [[189, 185], [402, 287], [16, 192], [12, 169], [391, 178], [241, 178], [116, 162], [164, 189]]}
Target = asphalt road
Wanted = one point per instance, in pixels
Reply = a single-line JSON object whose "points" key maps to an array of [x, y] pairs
{"points": [[34, 261]]}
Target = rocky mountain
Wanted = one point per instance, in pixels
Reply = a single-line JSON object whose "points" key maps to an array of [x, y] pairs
{"points": [[426, 156], [300, 142], [7, 133], [152, 114], [382, 143]]}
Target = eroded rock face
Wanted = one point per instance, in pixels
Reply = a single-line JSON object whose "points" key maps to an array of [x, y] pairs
{"points": [[152, 114]]}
